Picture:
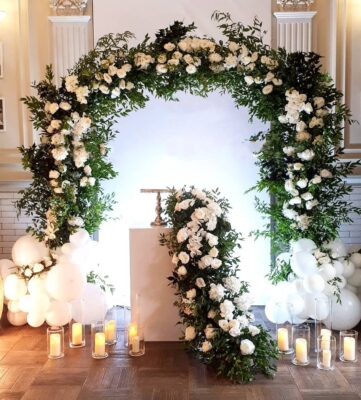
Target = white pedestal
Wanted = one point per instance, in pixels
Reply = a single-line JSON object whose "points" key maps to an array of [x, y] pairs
{"points": [[150, 265]]}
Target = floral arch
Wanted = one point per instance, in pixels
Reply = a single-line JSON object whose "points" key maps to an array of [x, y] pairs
{"points": [[298, 163]]}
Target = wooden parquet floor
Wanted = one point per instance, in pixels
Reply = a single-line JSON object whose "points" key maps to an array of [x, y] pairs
{"points": [[166, 372]]}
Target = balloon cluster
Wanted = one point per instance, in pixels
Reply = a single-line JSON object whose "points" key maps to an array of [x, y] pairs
{"points": [[57, 294], [321, 280]]}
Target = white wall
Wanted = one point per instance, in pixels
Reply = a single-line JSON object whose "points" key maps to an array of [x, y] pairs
{"points": [[196, 141]]}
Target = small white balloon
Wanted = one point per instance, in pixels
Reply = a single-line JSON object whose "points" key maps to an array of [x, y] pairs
{"points": [[13, 306], [36, 284], [303, 264], [297, 286], [347, 314], [25, 303], [35, 319], [327, 271], [16, 319], [351, 288], [356, 259], [337, 248], [314, 283], [296, 304], [339, 267], [306, 245], [59, 313], [14, 287], [67, 248], [28, 250], [79, 238], [281, 291], [277, 312], [355, 278], [7, 267], [348, 268]]}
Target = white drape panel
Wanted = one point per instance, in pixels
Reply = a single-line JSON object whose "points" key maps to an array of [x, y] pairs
{"points": [[195, 141]]}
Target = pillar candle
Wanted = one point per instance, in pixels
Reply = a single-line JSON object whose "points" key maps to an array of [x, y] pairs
{"points": [[55, 345], [301, 350], [282, 339], [110, 330], [325, 339], [133, 330], [349, 348], [135, 342], [99, 345], [326, 358], [77, 334]]}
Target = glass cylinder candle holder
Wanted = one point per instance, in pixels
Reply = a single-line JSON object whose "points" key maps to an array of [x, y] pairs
{"points": [[110, 327], [76, 334], [322, 312], [348, 345], [284, 338], [301, 336], [98, 340], [326, 352], [136, 343], [55, 342]]}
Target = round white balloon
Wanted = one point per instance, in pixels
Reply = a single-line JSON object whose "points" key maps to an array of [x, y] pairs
{"points": [[28, 250], [25, 303], [351, 288], [14, 287], [314, 283], [66, 282], [355, 278], [35, 319], [58, 314], [347, 314], [79, 238], [303, 264], [17, 319], [337, 248], [356, 259], [306, 245], [327, 271], [14, 306], [7, 267], [348, 268], [296, 304], [36, 284], [277, 312], [339, 267]]}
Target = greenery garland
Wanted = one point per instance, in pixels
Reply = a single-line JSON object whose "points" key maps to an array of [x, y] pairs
{"points": [[214, 305], [298, 163]]}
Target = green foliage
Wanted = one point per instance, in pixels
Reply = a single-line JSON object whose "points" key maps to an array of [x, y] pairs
{"points": [[101, 281]]}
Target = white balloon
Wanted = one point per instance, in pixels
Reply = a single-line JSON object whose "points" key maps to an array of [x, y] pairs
{"points": [[296, 304], [348, 268], [327, 271], [7, 267], [14, 287], [309, 309], [25, 303], [356, 259], [67, 248], [303, 264], [16, 319], [94, 305], [28, 250], [297, 286], [65, 282], [355, 278], [337, 248], [347, 314], [79, 238], [39, 304], [13, 306], [314, 283], [36, 284], [351, 288], [59, 313], [306, 245], [35, 320], [281, 291], [339, 267], [277, 312], [322, 306]]}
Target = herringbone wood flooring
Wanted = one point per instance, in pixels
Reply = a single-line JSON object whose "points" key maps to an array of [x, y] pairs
{"points": [[166, 372]]}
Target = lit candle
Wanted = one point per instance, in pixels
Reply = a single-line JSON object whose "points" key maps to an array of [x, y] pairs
{"points": [[135, 342], [301, 350], [325, 339], [99, 345], [55, 345], [133, 330], [77, 334], [349, 348], [325, 332], [326, 358], [282, 339], [110, 331]]}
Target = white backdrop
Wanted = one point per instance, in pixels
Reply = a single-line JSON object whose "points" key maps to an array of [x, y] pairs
{"points": [[194, 141]]}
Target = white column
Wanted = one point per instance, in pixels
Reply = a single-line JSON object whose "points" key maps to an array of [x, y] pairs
{"points": [[294, 30], [71, 38]]}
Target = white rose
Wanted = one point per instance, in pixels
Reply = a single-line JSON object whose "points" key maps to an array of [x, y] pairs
{"points": [[174, 62], [227, 308], [184, 257], [207, 260], [232, 283], [216, 292], [306, 155], [182, 235], [302, 183], [212, 239], [316, 122], [249, 80], [190, 333], [161, 69], [54, 174], [65, 106], [223, 324], [269, 77], [311, 204], [289, 150], [295, 200], [254, 330], [283, 119], [206, 346], [301, 126], [104, 89], [91, 181], [213, 252], [83, 181], [215, 58], [191, 69], [307, 196], [115, 93], [87, 170], [53, 108], [267, 89], [303, 136], [28, 272], [277, 82], [191, 294], [38, 267], [210, 332], [319, 102], [297, 166], [211, 314], [235, 331], [308, 108], [199, 194], [175, 259], [200, 283], [58, 190], [247, 347], [231, 61], [55, 123], [325, 173], [199, 213], [233, 46], [71, 83], [59, 153], [169, 46], [121, 73], [182, 271], [216, 263]]}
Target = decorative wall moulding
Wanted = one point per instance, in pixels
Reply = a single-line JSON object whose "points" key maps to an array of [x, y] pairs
{"points": [[295, 3], [68, 7], [294, 30]]}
